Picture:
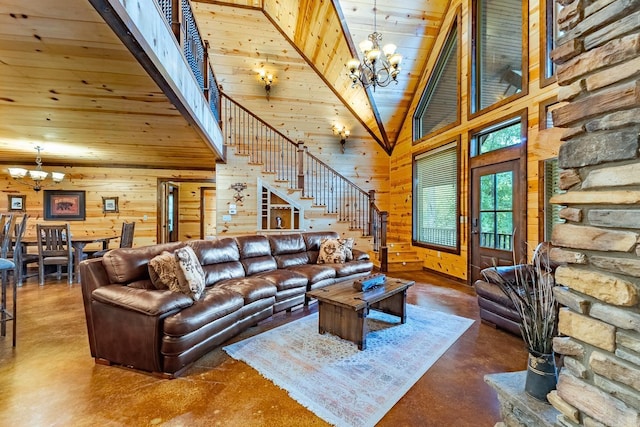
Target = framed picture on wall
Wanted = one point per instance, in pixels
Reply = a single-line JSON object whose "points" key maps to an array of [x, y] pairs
{"points": [[17, 202], [109, 204], [64, 205]]}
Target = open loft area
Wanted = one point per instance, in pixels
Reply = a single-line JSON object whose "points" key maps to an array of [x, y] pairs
{"points": [[210, 170]]}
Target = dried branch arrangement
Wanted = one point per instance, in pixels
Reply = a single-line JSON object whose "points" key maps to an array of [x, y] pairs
{"points": [[531, 292]]}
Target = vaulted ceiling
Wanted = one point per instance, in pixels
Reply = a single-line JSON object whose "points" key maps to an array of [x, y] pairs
{"points": [[68, 83]]}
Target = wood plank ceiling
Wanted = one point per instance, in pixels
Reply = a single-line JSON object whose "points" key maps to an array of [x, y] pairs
{"points": [[68, 83], [306, 45]]}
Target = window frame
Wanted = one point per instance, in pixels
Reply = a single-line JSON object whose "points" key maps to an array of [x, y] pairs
{"points": [[434, 78], [443, 146], [547, 42], [543, 197], [473, 109], [501, 123]]}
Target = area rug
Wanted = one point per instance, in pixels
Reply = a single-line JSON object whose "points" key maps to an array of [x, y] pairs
{"points": [[341, 384]]}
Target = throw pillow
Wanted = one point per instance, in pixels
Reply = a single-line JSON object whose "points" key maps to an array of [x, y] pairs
{"points": [[162, 271], [348, 244], [333, 251], [190, 273]]}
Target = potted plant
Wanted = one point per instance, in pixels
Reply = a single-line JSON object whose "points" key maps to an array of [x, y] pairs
{"points": [[531, 292]]}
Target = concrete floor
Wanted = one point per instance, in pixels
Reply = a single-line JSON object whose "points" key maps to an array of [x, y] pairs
{"points": [[50, 379]]}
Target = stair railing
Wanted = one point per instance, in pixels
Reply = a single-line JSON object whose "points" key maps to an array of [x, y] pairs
{"points": [[179, 17], [293, 165]]}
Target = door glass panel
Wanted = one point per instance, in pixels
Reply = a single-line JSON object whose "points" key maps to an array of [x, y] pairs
{"points": [[496, 211], [487, 201], [504, 194]]}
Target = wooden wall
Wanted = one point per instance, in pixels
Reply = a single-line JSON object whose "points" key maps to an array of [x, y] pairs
{"points": [[541, 145], [136, 190]]}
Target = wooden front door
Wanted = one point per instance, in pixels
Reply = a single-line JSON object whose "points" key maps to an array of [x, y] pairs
{"points": [[498, 215]]}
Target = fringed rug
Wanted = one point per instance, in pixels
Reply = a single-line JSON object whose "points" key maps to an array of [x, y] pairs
{"points": [[341, 384]]}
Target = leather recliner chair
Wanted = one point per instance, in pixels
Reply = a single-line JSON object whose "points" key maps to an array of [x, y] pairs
{"points": [[496, 309]]}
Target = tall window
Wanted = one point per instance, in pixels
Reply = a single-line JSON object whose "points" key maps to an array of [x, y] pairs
{"points": [[439, 104], [549, 36], [435, 198], [499, 69]]}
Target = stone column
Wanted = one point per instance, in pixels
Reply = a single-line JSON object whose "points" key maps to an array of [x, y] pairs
{"points": [[599, 76]]}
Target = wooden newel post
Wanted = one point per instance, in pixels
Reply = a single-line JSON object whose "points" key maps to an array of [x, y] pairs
{"points": [[372, 212], [301, 166], [384, 251]]}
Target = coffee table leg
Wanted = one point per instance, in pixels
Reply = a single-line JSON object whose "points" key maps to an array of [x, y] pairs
{"points": [[395, 305], [344, 322]]}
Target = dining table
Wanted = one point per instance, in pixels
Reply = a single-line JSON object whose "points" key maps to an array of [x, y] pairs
{"points": [[78, 243]]}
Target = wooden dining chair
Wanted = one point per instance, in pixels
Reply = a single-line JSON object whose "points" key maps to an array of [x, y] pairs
{"points": [[17, 252], [6, 233], [126, 239], [54, 248]]}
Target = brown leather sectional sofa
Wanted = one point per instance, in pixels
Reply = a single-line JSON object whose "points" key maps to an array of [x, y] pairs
{"points": [[247, 278]]}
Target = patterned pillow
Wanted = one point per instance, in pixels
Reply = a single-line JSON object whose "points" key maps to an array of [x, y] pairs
{"points": [[190, 273], [333, 251], [162, 271], [348, 244]]}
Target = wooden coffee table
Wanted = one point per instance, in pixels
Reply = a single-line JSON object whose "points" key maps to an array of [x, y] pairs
{"points": [[343, 310]]}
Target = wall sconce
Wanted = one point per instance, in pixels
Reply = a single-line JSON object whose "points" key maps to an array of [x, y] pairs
{"points": [[344, 133], [267, 79]]}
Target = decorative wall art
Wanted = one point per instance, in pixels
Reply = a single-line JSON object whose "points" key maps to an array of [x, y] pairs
{"points": [[64, 205], [17, 202], [109, 204]]}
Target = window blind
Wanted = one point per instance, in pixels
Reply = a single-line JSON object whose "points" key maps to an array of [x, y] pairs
{"points": [[436, 197]]}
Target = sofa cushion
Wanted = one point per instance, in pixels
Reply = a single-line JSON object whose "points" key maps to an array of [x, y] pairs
{"points": [[190, 273], [289, 249], [251, 288], [220, 259], [125, 265], [314, 272], [255, 254], [162, 271], [334, 251], [214, 304], [492, 292], [352, 267], [285, 279]]}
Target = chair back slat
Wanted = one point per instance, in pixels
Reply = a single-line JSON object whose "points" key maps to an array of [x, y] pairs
{"points": [[53, 240], [6, 234], [126, 237]]}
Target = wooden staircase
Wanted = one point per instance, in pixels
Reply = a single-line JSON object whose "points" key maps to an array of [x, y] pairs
{"points": [[401, 257]]}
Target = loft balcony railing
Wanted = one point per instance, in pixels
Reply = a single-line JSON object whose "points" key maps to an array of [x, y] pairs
{"points": [[179, 16], [293, 165]]}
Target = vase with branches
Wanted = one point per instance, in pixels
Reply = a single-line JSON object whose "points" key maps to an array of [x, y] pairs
{"points": [[530, 290]]}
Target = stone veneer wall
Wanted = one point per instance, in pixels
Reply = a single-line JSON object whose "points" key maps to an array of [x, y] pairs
{"points": [[599, 322]]}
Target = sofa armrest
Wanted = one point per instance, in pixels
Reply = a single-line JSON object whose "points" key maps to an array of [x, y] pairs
{"points": [[359, 255], [508, 273], [148, 302]]}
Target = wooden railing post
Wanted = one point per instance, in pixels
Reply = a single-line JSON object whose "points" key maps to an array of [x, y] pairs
{"points": [[176, 12], [300, 165], [372, 212], [384, 251], [206, 78]]}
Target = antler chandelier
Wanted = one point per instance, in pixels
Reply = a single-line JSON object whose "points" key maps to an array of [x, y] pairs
{"points": [[37, 175], [379, 66]]}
